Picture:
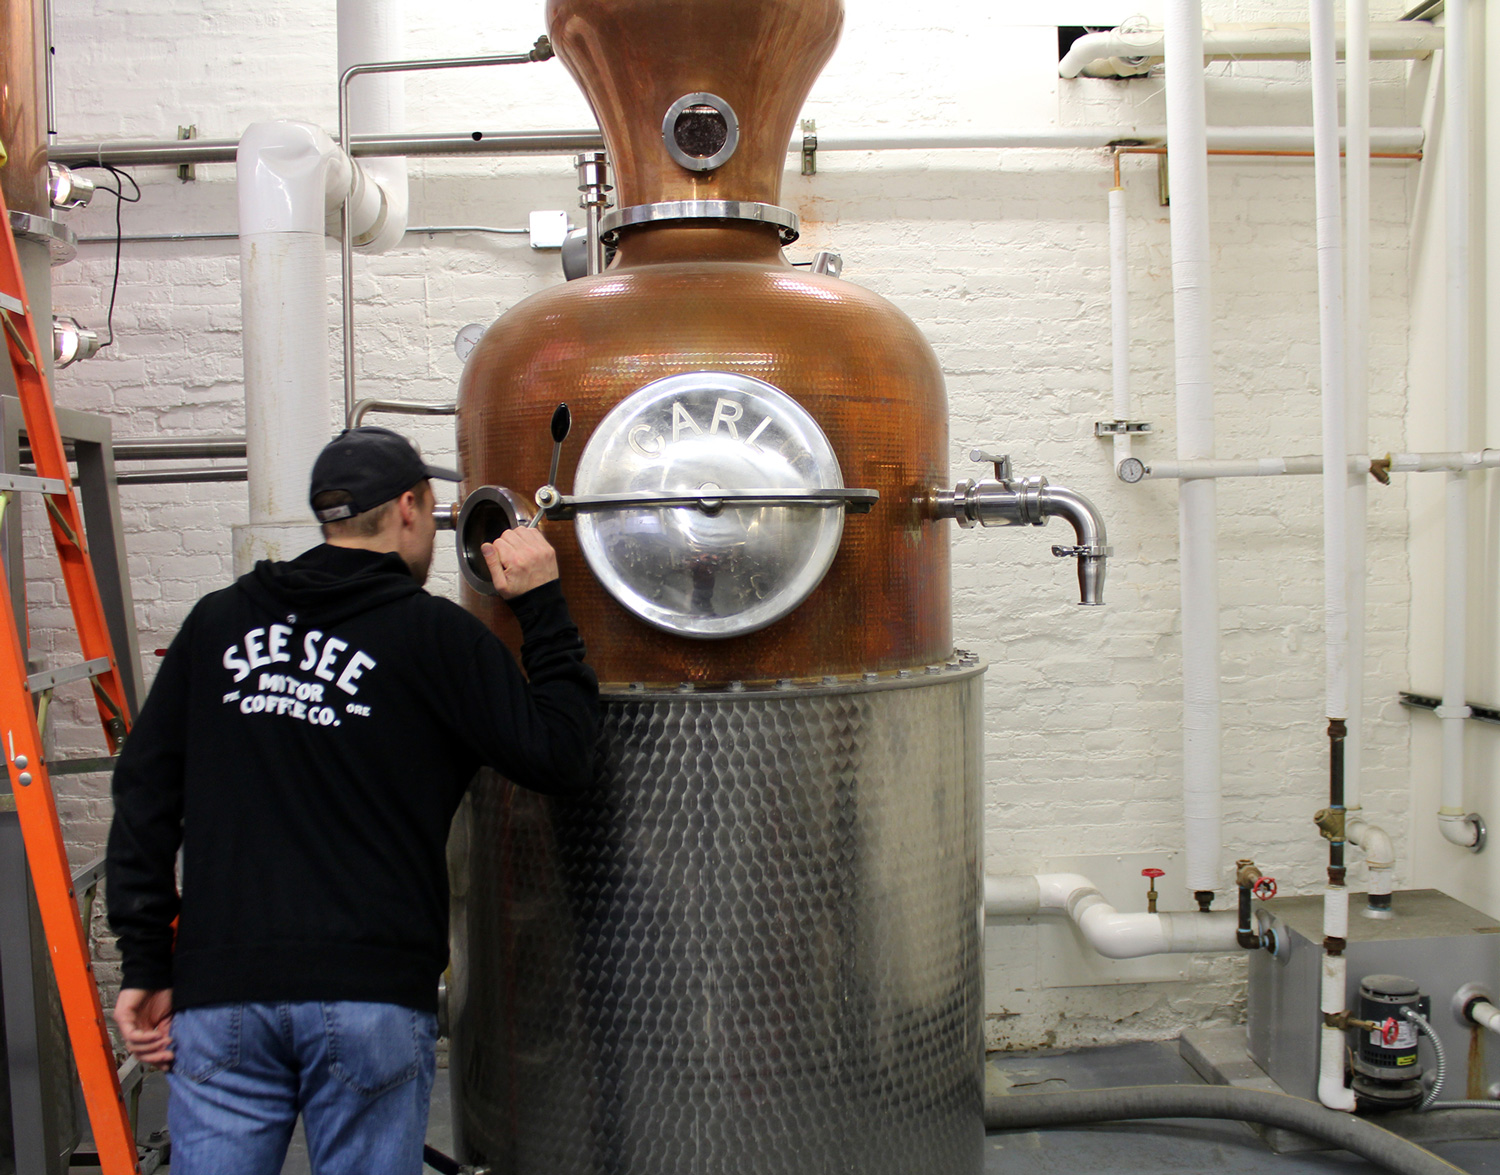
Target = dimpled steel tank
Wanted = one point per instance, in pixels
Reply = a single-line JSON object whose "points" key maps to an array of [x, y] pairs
{"points": [[755, 945]]}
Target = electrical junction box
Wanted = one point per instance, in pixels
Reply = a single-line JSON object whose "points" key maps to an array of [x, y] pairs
{"points": [[549, 229], [1433, 939]]}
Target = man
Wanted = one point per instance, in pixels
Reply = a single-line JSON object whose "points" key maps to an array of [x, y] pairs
{"points": [[307, 741]]}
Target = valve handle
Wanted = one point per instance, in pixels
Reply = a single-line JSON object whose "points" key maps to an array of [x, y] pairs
{"points": [[1153, 874], [1390, 1031], [1265, 888]]}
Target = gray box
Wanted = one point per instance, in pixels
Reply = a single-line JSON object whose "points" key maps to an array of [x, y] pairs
{"points": [[1431, 938]]}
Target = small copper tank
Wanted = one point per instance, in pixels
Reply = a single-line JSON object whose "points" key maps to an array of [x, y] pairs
{"points": [[701, 294], [23, 106]]}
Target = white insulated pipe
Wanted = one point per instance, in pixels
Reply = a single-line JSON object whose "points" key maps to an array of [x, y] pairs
{"points": [[1119, 318], [1331, 1089], [1485, 1014], [1356, 380], [1113, 934], [1331, 350], [1197, 500], [1444, 462], [290, 174], [1380, 857], [1119, 53], [371, 31], [1359, 465], [1452, 818]]}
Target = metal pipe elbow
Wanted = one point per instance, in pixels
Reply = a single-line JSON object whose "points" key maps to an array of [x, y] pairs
{"points": [[1092, 549]]}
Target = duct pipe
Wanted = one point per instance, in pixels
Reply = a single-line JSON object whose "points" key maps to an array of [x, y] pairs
{"points": [[291, 175], [370, 31], [1331, 1089], [1191, 307], [1456, 826], [1113, 934], [1125, 53], [1119, 304]]}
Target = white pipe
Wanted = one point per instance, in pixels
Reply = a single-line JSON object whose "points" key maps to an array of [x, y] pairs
{"points": [[1380, 853], [1399, 139], [1119, 53], [289, 175], [1331, 350], [1444, 462], [1451, 814], [1356, 360], [1485, 1014], [1119, 318], [370, 31], [1247, 467], [1191, 309], [1331, 1090], [1113, 934]]}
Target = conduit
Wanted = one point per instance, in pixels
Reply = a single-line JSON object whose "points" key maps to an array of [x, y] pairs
{"points": [[1125, 53], [1457, 827], [1331, 1090], [1191, 309], [1035, 1111], [1113, 934], [1119, 315]]}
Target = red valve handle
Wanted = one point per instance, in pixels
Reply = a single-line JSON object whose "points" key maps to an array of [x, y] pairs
{"points": [[1265, 888], [1153, 874], [1389, 1031]]}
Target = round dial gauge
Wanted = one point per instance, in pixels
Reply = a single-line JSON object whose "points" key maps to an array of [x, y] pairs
{"points": [[716, 570], [468, 338]]}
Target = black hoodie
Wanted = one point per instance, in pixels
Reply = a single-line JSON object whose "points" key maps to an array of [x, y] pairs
{"points": [[313, 728]]}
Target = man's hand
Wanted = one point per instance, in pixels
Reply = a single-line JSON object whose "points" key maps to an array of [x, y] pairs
{"points": [[145, 1020], [519, 560]]}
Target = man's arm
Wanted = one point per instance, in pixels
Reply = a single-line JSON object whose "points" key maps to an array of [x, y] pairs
{"points": [[140, 862], [539, 730]]}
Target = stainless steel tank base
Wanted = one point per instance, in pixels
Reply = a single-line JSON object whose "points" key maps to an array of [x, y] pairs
{"points": [[754, 949]]}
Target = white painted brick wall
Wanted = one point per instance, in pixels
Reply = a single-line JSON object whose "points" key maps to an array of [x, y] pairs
{"points": [[1001, 258]]}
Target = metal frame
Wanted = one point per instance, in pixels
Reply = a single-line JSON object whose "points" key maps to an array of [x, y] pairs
{"points": [[541, 51]]}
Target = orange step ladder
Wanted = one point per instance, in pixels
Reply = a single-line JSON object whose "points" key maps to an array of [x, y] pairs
{"points": [[20, 738]]}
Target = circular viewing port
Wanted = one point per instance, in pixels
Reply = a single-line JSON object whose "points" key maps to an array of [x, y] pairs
{"points": [[487, 513], [700, 131]]}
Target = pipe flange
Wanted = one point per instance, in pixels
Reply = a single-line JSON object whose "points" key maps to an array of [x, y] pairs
{"points": [[1481, 833], [784, 219]]}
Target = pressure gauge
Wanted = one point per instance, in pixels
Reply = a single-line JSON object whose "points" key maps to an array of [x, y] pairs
{"points": [[709, 569], [468, 338]]}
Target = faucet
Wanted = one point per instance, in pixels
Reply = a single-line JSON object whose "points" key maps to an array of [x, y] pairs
{"points": [[1006, 500]]}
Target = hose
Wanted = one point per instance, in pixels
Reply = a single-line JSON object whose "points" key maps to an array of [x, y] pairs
{"points": [[1420, 1021], [1371, 1142]]}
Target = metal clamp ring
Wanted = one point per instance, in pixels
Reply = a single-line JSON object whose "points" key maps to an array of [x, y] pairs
{"points": [[784, 219]]}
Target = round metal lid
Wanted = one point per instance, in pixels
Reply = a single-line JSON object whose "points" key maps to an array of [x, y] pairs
{"points": [[682, 568]]}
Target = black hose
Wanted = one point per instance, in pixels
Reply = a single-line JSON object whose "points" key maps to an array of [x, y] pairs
{"points": [[1379, 1146]]}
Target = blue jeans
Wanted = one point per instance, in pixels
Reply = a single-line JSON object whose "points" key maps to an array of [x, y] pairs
{"points": [[359, 1073]]}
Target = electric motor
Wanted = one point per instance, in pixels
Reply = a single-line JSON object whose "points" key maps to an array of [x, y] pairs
{"points": [[1387, 1068]]}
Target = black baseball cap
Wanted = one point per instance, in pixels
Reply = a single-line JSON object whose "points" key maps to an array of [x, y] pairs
{"points": [[372, 465]]}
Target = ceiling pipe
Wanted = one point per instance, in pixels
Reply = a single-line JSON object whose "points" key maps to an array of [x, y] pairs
{"points": [[1123, 52], [1197, 501]]}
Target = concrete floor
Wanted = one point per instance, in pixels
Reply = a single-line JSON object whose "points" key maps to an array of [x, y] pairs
{"points": [[1139, 1148]]}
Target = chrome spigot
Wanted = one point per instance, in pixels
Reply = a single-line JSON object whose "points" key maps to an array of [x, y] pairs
{"points": [[1006, 500]]}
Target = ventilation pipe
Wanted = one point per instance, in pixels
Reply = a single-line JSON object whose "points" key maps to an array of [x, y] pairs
{"points": [[1186, 134], [292, 181], [1457, 827], [370, 31], [1113, 934]]}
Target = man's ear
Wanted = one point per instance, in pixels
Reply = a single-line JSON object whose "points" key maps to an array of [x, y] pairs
{"points": [[407, 505]]}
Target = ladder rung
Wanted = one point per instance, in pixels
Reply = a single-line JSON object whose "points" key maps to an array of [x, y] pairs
{"points": [[51, 677], [7, 302], [32, 485]]}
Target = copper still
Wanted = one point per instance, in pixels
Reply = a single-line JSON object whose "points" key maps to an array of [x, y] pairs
{"points": [[755, 947], [23, 106]]}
